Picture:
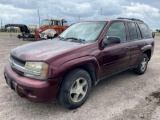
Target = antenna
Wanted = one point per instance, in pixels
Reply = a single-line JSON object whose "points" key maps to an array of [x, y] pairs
{"points": [[38, 18], [101, 11]]}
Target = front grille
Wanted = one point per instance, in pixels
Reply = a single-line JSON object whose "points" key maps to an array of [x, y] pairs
{"points": [[19, 67], [17, 71], [17, 62]]}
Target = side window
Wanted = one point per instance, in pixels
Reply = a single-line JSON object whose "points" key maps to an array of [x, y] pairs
{"points": [[139, 33], [117, 29], [132, 31], [56, 23], [145, 30]]}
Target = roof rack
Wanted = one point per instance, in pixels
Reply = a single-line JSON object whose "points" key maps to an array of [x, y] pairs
{"points": [[130, 19]]}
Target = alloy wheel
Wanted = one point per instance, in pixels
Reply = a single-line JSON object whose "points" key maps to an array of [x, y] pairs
{"points": [[78, 90]]}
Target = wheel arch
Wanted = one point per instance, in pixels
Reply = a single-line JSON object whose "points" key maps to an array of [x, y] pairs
{"points": [[148, 49], [90, 66], [148, 53]]}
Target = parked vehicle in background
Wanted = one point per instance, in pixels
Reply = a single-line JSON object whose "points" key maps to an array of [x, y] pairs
{"points": [[25, 32], [49, 28], [68, 66], [32, 28]]}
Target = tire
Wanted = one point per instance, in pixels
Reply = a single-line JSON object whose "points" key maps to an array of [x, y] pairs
{"points": [[75, 89], [142, 65]]}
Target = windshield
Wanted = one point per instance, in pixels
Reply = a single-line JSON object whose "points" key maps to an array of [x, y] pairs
{"points": [[45, 22], [87, 31]]}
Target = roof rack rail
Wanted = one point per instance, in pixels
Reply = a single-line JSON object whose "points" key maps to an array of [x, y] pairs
{"points": [[130, 19]]}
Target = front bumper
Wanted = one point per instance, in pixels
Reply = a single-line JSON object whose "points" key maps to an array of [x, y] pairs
{"points": [[34, 90]]}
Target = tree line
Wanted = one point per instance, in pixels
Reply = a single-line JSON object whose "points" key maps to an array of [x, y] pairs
{"points": [[158, 30]]}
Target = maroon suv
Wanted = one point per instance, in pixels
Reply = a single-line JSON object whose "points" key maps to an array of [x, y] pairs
{"points": [[68, 66]]}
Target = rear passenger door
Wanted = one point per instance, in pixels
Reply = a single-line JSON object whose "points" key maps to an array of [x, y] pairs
{"points": [[137, 42]]}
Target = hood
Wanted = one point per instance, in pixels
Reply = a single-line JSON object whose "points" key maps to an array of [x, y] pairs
{"points": [[43, 50]]}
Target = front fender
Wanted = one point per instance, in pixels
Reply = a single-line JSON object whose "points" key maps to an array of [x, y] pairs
{"points": [[67, 66]]}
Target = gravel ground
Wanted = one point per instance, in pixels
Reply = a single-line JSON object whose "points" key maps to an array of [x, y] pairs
{"points": [[125, 96]]}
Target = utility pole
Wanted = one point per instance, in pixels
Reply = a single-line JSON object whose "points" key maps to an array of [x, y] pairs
{"points": [[101, 11], [79, 18], [1, 24], [38, 18], [12, 27]]}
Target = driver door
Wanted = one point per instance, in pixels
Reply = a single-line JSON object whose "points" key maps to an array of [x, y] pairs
{"points": [[114, 58]]}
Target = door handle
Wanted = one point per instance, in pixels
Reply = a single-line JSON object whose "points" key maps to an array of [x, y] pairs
{"points": [[126, 48]]}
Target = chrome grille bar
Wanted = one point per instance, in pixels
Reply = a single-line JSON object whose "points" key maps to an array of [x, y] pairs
{"points": [[17, 66]]}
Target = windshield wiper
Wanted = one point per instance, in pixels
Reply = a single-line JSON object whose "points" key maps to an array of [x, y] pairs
{"points": [[76, 39], [60, 37], [72, 38]]}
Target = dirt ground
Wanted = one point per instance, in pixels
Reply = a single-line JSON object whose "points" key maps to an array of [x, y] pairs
{"points": [[125, 96]]}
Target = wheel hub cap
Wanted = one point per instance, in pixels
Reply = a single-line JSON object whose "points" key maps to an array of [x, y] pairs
{"points": [[143, 64], [78, 90]]}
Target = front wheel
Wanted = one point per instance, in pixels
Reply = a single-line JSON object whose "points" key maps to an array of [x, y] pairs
{"points": [[142, 65], [75, 89]]}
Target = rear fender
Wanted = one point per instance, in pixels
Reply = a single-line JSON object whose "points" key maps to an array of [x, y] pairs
{"points": [[143, 49]]}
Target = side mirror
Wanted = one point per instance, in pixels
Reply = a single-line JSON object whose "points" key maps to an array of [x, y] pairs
{"points": [[110, 40]]}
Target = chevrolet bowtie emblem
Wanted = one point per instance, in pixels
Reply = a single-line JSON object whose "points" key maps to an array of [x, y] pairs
{"points": [[12, 63]]}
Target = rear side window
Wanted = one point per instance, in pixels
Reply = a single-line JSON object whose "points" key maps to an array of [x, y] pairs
{"points": [[145, 30], [132, 31], [117, 29]]}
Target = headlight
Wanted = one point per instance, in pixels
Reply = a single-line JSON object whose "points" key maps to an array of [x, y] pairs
{"points": [[38, 70]]}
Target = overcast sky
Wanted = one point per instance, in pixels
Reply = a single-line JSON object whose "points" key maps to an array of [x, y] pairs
{"points": [[25, 11]]}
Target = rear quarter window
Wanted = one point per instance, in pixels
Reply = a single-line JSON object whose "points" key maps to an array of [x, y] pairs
{"points": [[145, 30]]}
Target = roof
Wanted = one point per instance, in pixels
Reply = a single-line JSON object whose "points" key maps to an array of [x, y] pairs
{"points": [[120, 18], [131, 19]]}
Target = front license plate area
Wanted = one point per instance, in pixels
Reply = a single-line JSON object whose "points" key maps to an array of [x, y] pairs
{"points": [[10, 82]]}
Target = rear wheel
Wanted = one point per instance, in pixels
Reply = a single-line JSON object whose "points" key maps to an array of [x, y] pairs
{"points": [[142, 65], [75, 89]]}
